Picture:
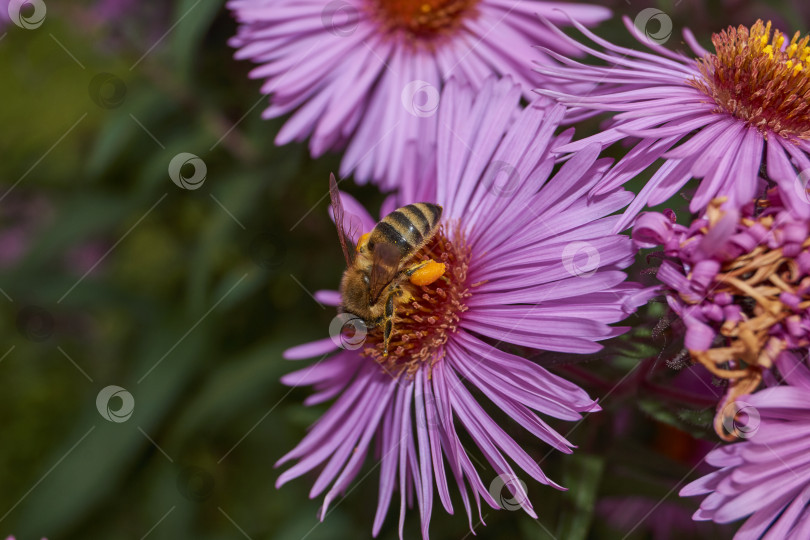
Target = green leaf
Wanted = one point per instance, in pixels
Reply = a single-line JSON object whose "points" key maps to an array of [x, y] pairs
{"points": [[193, 18], [234, 387], [582, 477], [696, 422], [96, 468]]}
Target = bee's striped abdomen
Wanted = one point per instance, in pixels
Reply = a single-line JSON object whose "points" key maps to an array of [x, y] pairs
{"points": [[408, 228]]}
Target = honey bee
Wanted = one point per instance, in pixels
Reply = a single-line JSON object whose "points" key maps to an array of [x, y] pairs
{"points": [[377, 268]]}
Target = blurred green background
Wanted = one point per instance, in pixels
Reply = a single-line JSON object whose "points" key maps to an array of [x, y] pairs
{"points": [[112, 275]]}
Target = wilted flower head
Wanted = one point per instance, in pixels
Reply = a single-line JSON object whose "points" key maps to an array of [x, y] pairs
{"points": [[366, 74], [733, 111], [765, 477], [528, 264], [740, 280]]}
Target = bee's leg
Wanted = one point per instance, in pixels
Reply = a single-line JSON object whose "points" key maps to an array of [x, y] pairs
{"points": [[425, 273], [362, 242], [388, 319]]}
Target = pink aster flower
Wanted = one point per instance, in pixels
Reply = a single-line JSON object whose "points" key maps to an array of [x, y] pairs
{"points": [[726, 117], [528, 264], [365, 75], [765, 478], [740, 281]]}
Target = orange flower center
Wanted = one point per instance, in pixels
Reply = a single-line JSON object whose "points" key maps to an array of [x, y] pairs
{"points": [[422, 19], [760, 79], [423, 324]]}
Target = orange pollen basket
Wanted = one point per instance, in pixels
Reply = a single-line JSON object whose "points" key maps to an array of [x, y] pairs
{"points": [[422, 19], [760, 79], [422, 324]]}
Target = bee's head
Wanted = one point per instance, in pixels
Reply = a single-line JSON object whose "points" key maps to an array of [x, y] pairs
{"points": [[354, 290]]}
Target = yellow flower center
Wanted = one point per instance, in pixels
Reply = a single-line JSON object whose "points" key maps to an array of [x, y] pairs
{"points": [[760, 78], [422, 19]]}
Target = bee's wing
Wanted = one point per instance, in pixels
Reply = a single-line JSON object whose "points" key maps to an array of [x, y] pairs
{"points": [[384, 267], [337, 212]]}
